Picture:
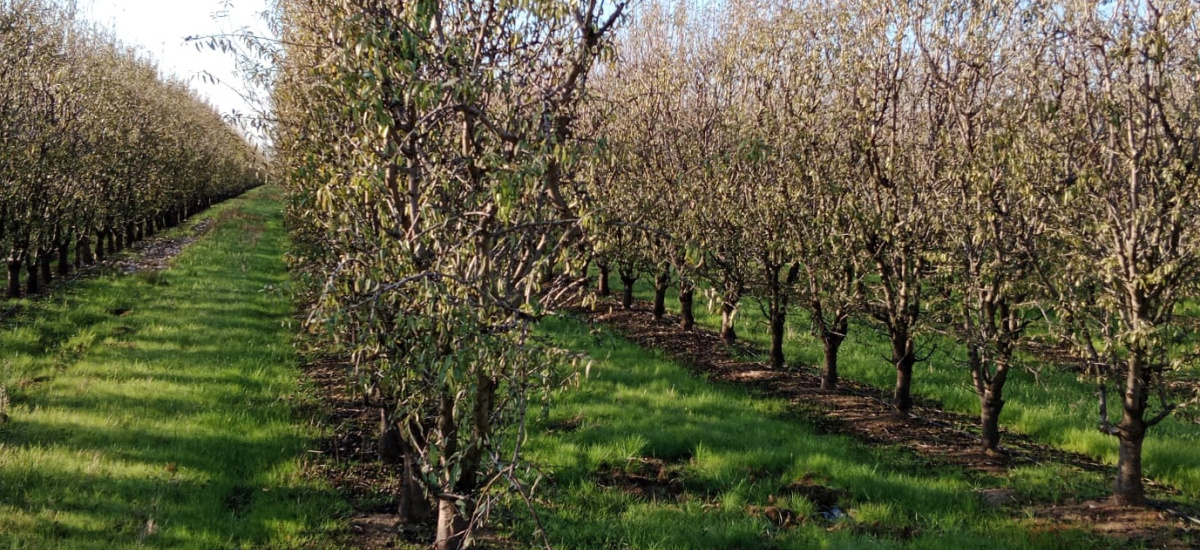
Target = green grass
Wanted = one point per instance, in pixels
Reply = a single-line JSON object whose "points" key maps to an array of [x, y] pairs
{"points": [[729, 453], [175, 424], [1054, 406]]}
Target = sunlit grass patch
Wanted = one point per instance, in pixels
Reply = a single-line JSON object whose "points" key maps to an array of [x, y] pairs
{"points": [[1053, 405], [657, 458], [157, 410]]}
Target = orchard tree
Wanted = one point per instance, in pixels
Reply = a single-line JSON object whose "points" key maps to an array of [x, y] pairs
{"points": [[1127, 106], [895, 173], [429, 149], [986, 63]]}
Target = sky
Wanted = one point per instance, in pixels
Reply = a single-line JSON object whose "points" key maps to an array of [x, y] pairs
{"points": [[159, 27]]}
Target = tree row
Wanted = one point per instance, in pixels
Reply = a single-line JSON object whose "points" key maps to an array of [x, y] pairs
{"points": [[970, 169], [98, 149]]}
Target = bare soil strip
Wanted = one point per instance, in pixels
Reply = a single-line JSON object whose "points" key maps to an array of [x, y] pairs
{"points": [[937, 435]]}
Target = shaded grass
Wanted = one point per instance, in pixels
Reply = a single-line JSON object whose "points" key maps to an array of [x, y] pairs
{"points": [[730, 457], [160, 410], [1053, 405]]}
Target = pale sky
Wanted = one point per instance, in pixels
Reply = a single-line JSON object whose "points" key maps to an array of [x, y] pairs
{"points": [[159, 27]]}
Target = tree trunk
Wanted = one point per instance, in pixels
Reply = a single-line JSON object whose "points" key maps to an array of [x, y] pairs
{"points": [[1131, 432], [412, 506], [99, 246], [113, 245], [829, 374], [64, 258], [628, 278], [605, 289], [728, 309], [661, 282], [14, 279], [32, 286], [130, 234], [990, 405], [451, 526], [46, 265], [1128, 489], [904, 359], [778, 326], [83, 251], [687, 297]]}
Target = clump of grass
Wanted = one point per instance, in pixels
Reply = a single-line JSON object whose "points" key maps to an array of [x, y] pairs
{"points": [[152, 277]]}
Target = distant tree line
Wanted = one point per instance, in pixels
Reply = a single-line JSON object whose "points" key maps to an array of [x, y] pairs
{"points": [[97, 150]]}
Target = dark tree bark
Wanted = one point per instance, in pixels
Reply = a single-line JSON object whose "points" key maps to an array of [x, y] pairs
{"points": [[778, 330], [111, 236], [661, 282], [452, 521], [903, 357], [605, 288], [1128, 489], [832, 343], [778, 293], [990, 406], [628, 278], [687, 298], [100, 244], [64, 258], [46, 265], [32, 282], [14, 279], [83, 251], [412, 506]]}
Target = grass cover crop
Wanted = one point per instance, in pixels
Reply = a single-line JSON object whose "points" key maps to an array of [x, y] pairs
{"points": [[162, 410], [644, 455]]}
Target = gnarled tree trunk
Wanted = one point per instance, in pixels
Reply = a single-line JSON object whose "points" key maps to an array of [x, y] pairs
{"points": [[904, 358], [661, 282], [14, 278], [32, 281], [728, 312], [687, 298], [628, 278], [605, 289], [832, 343]]}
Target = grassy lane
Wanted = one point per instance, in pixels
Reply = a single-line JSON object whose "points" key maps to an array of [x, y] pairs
{"points": [[1053, 406], [162, 410], [643, 455]]}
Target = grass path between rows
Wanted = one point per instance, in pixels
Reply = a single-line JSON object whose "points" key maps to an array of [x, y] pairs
{"points": [[642, 454], [1052, 405], [163, 410]]}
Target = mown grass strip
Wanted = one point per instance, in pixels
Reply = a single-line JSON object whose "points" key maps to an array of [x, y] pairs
{"points": [[643, 455], [161, 410]]}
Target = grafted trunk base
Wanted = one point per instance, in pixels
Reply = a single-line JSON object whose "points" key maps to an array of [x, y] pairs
{"points": [[829, 372], [687, 314]]}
